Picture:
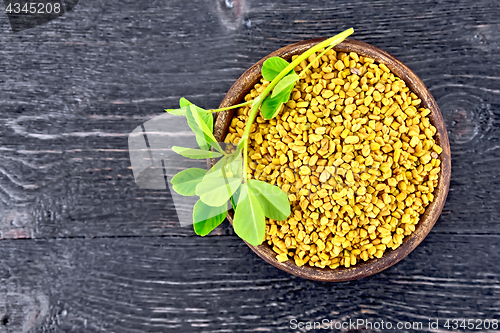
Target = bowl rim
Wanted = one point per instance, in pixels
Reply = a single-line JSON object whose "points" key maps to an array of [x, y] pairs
{"points": [[432, 212]]}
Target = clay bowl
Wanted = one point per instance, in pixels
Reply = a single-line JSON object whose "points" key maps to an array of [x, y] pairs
{"points": [[243, 85]]}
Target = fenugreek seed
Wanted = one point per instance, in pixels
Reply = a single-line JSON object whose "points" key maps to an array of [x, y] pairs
{"points": [[327, 94], [299, 149], [414, 141], [365, 150], [437, 149], [349, 176], [361, 190], [380, 87], [320, 130], [351, 139], [350, 108], [311, 117], [313, 160], [384, 68], [317, 89], [356, 71], [289, 175], [283, 159], [258, 138], [401, 197], [282, 257], [339, 65], [435, 171], [305, 170], [397, 154], [329, 76], [374, 146], [425, 158], [315, 137], [386, 239], [325, 175]]}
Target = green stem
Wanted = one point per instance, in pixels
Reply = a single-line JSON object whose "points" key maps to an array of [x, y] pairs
{"points": [[315, 59], [231, 107], [258, 101]]}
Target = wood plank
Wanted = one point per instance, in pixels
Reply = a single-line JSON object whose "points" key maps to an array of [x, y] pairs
{"points": [[92, 76], [213, 284], [64, 164], [73, 89]]}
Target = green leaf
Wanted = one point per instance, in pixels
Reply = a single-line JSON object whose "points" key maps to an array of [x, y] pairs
{"points": [[220, 183], [223, 166], [182, 111], [205, 115], [208, 119], [192, 109], [185, 181], [207, 218], [196, 154], [177, 112], [272, 67], [284, 83], [215, 191], [204, 135], [271, 105], [249, 221], [273, 200], [184, 102]]}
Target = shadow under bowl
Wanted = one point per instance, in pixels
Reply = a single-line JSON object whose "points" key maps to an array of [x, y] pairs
{"points": [[245, 83]]}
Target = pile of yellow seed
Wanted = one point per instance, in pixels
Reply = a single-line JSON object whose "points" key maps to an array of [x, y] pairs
{"points": [[356, 155]]}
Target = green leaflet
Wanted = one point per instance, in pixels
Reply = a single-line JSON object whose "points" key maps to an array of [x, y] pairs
{"points": [[184, 102], [204, 135], [177, 112], [284, 83], [185, 181], [216, 191], [200, 137], [202, 116], [249, 220], [195, 153], [271, 105], [205, 115], [273, 200], [207, 218], [272, 67], [228, 166], [220, 183]]}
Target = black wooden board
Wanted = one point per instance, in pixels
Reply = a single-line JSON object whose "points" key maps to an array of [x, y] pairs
{"points": [[184, 284], [83, 249]]}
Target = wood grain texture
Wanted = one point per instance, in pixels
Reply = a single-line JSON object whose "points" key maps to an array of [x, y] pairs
{"points": [[178, 284], [72, 90]]}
